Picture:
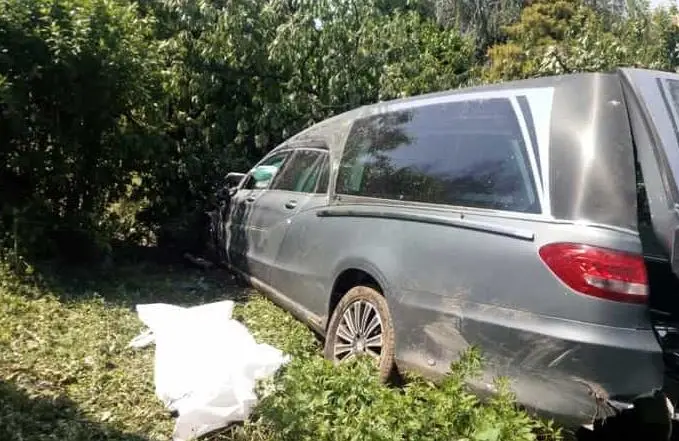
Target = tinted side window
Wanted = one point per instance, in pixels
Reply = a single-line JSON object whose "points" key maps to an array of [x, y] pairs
{"points": [[468, 153], [260, 176], [302, 172], [324, 176]]}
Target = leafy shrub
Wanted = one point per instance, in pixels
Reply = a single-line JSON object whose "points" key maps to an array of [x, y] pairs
{"points": [[311, 399], [76, 79]]}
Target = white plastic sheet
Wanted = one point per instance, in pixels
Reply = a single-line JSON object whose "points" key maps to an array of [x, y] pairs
{"points": [[206, 364]]}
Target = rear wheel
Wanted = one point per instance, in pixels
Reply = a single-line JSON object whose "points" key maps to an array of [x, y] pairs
{"points": [[361, 325]]}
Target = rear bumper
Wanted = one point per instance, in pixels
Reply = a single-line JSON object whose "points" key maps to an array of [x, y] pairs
{"points": [[593, 370], [556, 367]]}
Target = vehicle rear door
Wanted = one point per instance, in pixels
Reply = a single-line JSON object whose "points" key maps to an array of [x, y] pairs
{"points": [[653, 102], [275, 208]]}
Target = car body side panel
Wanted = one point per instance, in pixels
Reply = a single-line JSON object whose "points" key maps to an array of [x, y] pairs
{"points": [[291, 271], [452, 284], [456, 278], [266, 229], [318, 249], [591, 153], [497, 295]]}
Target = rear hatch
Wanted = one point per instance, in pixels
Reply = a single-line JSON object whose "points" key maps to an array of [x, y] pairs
{"points": [[655, 118], [653, 102]]}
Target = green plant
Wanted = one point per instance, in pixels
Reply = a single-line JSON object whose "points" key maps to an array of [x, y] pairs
{"points": [[270, 324], [312, 399], [566, 36]]}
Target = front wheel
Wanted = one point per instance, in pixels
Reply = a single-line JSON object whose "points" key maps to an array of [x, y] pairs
{"points": [[361, 325]]}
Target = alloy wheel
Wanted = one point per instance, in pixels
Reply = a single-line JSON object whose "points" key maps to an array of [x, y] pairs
{"points": [[359, 332]]}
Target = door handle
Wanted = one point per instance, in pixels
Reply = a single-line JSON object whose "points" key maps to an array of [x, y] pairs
{"points": [[291, 204], [250, 199]]}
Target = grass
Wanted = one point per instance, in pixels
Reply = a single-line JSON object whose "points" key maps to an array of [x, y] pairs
{"points": [[66, 373], [65, 369]]}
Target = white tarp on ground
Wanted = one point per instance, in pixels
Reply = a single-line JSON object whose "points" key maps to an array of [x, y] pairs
{"points": [[206, 364]]}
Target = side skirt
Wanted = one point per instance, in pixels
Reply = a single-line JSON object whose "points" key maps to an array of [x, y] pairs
{"points": [[302, 314]]}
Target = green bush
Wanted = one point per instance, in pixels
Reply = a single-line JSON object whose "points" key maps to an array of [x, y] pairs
{"points": [[79, 83], [311, 399], [270, 324]]}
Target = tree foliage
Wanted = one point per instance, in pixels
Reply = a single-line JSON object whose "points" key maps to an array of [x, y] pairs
{"points": [[483, 19], [120, 117], [565, 36], [76, 76]]}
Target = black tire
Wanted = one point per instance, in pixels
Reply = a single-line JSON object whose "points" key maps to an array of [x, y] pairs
{"points": [[379, 306]]}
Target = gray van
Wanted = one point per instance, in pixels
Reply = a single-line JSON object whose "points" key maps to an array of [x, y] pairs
{"points": [[536, 220]]}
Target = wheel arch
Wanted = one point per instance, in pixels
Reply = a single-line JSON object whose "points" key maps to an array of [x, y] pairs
{"points": [[352, 274]]}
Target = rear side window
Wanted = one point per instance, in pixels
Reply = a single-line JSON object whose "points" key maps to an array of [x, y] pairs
{"points": [[469, 153], [303, 173]]}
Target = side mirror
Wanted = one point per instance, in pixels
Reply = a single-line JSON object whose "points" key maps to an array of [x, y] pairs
{"points": [[232, 179]]}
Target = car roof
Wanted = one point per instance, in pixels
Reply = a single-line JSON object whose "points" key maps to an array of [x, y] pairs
{"points": [[369, 109], [547, 81]]}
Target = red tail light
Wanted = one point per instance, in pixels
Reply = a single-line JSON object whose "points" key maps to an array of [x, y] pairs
{"points": [[598, 272]]}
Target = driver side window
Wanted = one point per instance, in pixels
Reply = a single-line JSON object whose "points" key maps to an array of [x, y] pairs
{"points": [[262, 174]]}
